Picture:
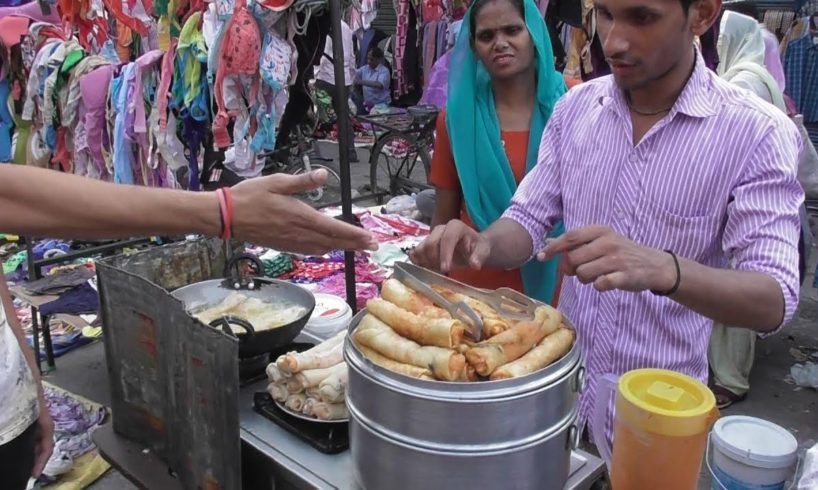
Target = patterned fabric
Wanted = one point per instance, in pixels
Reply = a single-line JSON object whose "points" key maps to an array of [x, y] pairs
{"points": [[801, 70], [401, 82], [238, 55], [733, 197], [18, 405]]}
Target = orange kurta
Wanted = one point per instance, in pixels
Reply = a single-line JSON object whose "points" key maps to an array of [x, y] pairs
{"points": [[444, 176]]}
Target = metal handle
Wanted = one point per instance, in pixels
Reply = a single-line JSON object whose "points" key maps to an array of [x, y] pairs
{"points": [[225, 321], [574, 437], [580, 380], [235, 278]]}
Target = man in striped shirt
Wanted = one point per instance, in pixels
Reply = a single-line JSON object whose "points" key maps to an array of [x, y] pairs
{"points": [[662, 174]]}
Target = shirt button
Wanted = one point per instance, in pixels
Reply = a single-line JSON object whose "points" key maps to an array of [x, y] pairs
{"points": [[633, 158]]}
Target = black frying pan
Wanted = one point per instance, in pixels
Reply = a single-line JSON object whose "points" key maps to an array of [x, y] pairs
{"points": [[251, 343]]}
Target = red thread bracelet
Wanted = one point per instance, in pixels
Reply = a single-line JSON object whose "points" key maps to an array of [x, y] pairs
{"points": [[222, 211], [228, 216]]}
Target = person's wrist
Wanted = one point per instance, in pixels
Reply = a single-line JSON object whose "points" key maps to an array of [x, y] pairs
{"points": [[668, 274]]}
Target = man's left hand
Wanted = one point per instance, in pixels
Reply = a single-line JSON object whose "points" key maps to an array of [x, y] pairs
{"points": [[598, 255], [44, 444]]}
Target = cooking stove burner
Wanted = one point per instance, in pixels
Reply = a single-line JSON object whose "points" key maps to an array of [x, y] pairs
{"points": [[327, 438]]}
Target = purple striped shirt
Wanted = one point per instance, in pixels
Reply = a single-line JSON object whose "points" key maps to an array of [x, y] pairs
{"points": [[714, 180]]}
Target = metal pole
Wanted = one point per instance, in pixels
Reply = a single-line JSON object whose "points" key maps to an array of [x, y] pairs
{"points": [[344, 145]]}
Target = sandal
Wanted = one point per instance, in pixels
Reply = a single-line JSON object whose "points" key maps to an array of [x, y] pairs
{"points": [[725, 397]]}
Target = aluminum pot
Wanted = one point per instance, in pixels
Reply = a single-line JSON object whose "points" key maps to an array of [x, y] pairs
{"points": [[471, 424], [382, 459], [464, 413]]}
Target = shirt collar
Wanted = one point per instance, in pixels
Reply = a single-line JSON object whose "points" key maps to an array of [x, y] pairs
{"points": [[696, 100]]}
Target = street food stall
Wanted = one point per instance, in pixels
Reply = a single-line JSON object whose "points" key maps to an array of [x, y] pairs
{"points": [[189, 393]]}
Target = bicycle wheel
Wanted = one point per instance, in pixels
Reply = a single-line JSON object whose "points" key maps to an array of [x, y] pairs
{"points": [[398, 165], [329, 192]]}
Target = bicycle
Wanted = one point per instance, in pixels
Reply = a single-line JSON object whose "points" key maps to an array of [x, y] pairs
{"points": [[400, 162], [300, 157]]}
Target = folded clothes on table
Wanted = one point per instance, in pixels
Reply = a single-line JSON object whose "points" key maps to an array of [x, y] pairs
{"points": [[61, 282]]}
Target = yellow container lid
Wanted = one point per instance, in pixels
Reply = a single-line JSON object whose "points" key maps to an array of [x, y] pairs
{"points": [[665, 402]]}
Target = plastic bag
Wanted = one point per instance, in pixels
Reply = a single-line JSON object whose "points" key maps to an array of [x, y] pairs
{"points": [[401, 205], [805, 375], [809, 471]]}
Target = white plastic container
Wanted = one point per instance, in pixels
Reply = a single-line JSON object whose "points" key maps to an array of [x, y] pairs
{"points": [[751, 454], [331, 315]]}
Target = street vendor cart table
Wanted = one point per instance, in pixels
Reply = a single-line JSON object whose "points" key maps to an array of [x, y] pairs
{"points": [[271, 452]]}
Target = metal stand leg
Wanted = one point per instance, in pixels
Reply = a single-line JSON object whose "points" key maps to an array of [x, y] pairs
{"points": [[49, 348], [35, 328]]}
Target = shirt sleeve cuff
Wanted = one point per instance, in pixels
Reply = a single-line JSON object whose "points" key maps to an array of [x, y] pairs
{"points": [[790, 305], [535, 230]]}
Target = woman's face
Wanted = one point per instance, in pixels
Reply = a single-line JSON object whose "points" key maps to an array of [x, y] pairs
{"points": [[501, 40]]}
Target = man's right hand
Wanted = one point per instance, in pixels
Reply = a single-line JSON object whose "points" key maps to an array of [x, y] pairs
{"points": [[266, 214], [450, 246]]}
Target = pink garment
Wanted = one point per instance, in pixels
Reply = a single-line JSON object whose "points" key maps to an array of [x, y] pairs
{"points": [[435, 92], [94, 88], [33, 12], [12, 29], [164, 84], [136, 104], [772, 58]]}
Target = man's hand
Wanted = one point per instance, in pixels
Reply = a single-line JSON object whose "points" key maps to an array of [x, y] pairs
{"points": [[44, 443], [597, 254], [265, 214], [453, 245]]}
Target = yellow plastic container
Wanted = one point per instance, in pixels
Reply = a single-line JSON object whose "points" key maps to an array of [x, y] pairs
{"points": [[661, 424]]}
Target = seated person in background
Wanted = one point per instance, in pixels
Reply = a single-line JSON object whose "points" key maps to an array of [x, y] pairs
{"points": [[372, 83]]}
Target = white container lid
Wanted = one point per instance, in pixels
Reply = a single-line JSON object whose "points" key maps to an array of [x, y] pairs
{"points": [[329, 309], [755, 442]]}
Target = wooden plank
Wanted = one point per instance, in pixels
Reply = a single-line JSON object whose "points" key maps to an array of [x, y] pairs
{"points": [[143, 469]]}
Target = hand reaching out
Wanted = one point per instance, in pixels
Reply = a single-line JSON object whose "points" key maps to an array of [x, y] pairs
{"points": [[265, 213], [452, 245], [598, 255]]}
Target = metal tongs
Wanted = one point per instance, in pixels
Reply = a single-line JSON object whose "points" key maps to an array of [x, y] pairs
{"points": [[507, 302]]}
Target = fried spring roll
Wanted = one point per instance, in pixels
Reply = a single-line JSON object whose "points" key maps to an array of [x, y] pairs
{"points": [[493, 323], [328, 344], [446, 364], [333, 388], [279, 392], [296, 362], [330, 411], [296, 402], [514, 342], [274, 374], [313, 377], [410, 300], [547, 351], [439, 332], [394, 366], [309, 405]]}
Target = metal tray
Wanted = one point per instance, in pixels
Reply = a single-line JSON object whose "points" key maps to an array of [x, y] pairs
{"points": [[308, 418]]}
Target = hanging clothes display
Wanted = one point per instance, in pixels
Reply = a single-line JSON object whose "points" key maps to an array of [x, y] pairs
{"points": [[133, 92], [801, 66], [406, 67]]}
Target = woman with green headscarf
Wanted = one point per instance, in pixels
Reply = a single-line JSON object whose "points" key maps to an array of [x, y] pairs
{"points": [[502, 89]]}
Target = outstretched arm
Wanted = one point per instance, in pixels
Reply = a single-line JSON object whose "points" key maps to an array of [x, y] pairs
{"points": [[46, 203]]}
